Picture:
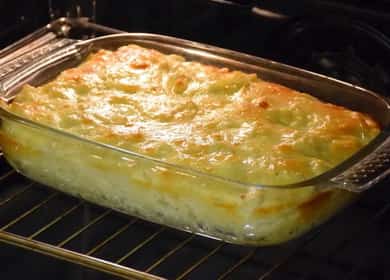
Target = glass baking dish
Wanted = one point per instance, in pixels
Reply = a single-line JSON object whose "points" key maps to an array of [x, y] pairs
{"points": [[178, 196]]}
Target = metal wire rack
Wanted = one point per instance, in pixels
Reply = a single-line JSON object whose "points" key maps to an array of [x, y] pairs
{"points": [[41, 219]]}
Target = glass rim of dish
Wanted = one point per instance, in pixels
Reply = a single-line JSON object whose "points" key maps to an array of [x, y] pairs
{"points": [[317, 180]]}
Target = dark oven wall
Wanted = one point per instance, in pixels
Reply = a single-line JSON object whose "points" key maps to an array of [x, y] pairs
{"points": [[347, 39], [18, 18]]}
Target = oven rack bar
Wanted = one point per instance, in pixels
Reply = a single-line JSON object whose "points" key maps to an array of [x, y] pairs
{"points": [[74, 257]]}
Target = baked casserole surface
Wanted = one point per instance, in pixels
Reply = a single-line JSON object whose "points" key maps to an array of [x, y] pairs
{"points": [[210, 119]]}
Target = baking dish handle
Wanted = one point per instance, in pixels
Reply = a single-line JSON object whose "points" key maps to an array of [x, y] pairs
{"points": [[368, 171], [20, 69]]}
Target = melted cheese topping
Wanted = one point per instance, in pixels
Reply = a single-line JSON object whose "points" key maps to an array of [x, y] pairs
{"points": [[215, 120]]}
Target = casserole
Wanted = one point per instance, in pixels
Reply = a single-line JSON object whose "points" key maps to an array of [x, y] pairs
{"points": [[183, 197]]}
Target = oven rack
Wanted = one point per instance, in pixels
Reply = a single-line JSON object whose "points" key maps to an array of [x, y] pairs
{"points": [[38, 218]]}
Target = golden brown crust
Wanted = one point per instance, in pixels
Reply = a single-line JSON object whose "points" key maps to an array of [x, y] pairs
{"points": [[212, 119]]}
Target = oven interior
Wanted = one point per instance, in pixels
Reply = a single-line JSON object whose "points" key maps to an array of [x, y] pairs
{"points": [[102, 244]]}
